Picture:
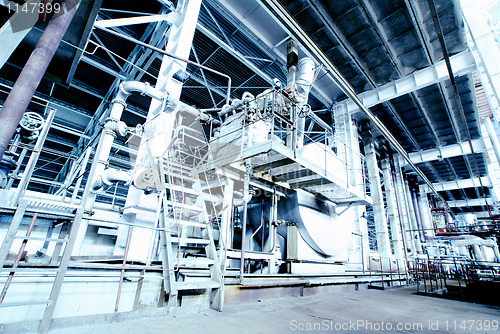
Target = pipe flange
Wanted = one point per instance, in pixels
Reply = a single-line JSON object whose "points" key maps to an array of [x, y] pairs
{"points": [[145, 89], [119, 101]]}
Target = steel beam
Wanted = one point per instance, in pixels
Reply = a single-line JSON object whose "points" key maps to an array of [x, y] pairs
{"points": [[461, 63], [445, 152], [471, 202], [458, 184], [236, 54], [133, 20], [486, 214]]}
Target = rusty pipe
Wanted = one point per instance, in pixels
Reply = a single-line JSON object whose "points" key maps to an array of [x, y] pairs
{"points": [[26, 84]]}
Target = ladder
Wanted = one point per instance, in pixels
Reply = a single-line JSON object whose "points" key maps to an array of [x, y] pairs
{"points": [[191, 267], [70, 213]]}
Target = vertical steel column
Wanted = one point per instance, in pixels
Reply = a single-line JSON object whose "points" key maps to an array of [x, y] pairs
{"points": [[246, 197], [425, 213], [412, 182], [382, 232], [26, 84], [392, 212], [414, 231], [226, 241]]}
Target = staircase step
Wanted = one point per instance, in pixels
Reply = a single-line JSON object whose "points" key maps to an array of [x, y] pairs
{"points": [[190, 240], [183, 177], [197, 285], [185, 206], [180, 189], [191, 223], [195, 262]]}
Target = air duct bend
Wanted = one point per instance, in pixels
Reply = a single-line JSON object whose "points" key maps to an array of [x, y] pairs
{"points": [[110, 176], [305, 76]]}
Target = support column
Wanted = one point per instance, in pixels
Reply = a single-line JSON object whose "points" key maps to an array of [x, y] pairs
{"points": [[413, 218], [405, 213], [382, 233], [20, 96], [225, 238], [392, 211], [425, 213], [356, 179], [159, 125]]}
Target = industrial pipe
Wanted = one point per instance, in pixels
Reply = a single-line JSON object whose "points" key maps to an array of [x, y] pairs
{"points": [[26, 84], [111, 128], [305, 76], [110, 176]]}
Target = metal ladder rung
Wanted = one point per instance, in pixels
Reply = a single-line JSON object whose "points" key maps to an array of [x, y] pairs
{"points": [[190, 240], [40, 238], [190, 223], [36, 302], [182, 177], [178, 188], [185, 206]]}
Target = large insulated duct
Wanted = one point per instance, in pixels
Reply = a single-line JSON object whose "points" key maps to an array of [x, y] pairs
{"points": [[305, 76], [19, 98], [316, 221]]}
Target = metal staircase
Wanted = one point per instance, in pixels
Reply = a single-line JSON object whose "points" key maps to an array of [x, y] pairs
{"points": [[191, 267]]}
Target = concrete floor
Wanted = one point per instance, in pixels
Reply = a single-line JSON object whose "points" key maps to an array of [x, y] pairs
{"points": [[364, 311]]}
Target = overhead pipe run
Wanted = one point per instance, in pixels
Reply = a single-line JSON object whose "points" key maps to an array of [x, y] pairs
{"points": [[26, 84]]}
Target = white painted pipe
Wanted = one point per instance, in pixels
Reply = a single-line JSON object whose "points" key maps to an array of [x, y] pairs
{"points": [[305, 75], [109, 134], [110, 176]]}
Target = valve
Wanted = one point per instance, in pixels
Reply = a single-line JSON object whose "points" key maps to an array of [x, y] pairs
{"points": [[31, 124]]}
